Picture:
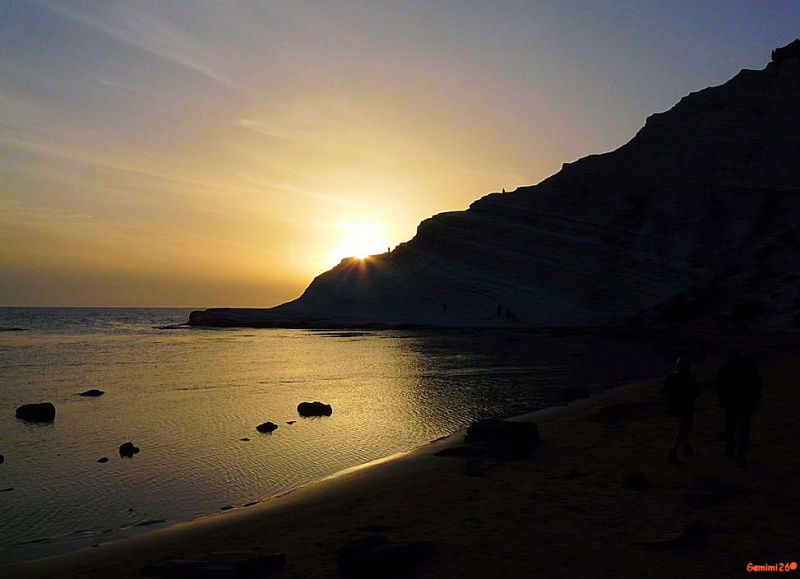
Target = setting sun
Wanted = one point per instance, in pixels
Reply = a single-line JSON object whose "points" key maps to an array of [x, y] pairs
{"points": [[359, 240]]}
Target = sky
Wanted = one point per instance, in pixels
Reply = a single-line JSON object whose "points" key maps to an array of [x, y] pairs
{"points": [[204, 153]]}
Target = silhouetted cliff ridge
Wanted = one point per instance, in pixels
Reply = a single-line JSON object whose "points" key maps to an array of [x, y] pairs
{"points": [[698, 216]]}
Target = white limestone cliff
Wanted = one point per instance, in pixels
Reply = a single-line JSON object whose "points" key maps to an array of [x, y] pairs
{"points": [[697, 216]]}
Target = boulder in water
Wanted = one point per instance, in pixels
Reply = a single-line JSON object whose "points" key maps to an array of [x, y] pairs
{"points": [[127, 450], [267, 427], [314, 409], [42, 412], [93, 393]]}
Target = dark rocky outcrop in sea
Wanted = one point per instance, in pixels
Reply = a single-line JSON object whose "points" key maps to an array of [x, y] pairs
{"points": [[306, 409], [695, 218], [127, 450], [267, 427], [41, 412], [93, 393]]}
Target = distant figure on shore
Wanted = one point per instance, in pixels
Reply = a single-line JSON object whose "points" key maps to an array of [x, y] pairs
{"points": [[681, 389], [738, 387]]}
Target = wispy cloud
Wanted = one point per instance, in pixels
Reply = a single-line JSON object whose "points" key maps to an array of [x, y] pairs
{"points": [[101, 160], [131, 25], [291, 190]]}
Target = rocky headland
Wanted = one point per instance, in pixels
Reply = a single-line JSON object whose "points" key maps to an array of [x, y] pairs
{"points": [[695, 218]]}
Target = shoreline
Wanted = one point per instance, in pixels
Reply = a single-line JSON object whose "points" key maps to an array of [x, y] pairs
{"points": [[274, 504], [418, 496]]}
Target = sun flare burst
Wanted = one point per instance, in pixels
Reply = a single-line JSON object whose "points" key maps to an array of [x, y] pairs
{"points": [[359, 240]]}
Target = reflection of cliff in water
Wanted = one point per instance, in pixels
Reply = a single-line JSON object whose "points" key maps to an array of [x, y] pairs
{"points": [[502, 374]]}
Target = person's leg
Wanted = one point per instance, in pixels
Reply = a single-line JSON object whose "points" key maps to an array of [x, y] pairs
{"points": [[687, 423], [679, 437], [730, 433], [744, 420]]}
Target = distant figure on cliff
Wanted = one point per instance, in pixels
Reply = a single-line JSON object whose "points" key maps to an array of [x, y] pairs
{"points": [[738, 387], [681, 389]]}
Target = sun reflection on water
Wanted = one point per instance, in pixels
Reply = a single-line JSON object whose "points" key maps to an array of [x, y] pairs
{"points": [[187, 399]]}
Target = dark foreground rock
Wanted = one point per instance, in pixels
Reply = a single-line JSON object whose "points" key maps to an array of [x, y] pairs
{"points": [[637, 481], [267, 427], [2, 459], [314, 409], [375, 556], [461, 451], [709, 491], [503, 438], [568, 395], [692, 535], [43, 412], [127, 450], [93, 393], [224, 565]]}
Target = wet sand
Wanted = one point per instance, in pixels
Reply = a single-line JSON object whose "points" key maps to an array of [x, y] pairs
{"points": [[568, 510]]}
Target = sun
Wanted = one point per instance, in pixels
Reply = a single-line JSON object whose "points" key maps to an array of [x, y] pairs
{"points": [[359, 240]]}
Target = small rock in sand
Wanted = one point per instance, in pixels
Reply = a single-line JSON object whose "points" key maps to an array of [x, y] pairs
{"points": [[503, 438], [375, 556], [637, 480], [217, 565]]}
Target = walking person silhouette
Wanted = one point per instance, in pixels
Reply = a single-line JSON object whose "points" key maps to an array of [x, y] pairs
{"points": [[738, 386], [681, 389]]}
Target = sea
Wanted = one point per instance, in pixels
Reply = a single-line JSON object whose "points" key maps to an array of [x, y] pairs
{"points": [[190, 399]]}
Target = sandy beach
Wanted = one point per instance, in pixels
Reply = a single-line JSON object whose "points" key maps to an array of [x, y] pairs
{"points": [[571, 509]]}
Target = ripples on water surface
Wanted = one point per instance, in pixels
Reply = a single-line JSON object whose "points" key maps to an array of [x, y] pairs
{"points": [[187, 397]]}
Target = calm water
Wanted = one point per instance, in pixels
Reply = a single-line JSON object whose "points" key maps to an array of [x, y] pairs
{"points": [[187, 397]]}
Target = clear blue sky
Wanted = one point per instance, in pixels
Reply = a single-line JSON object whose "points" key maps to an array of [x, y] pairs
{"points": [[223, 152]]}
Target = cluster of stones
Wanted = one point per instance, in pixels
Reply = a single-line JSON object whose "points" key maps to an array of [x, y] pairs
{"points": [[304, 409]]}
